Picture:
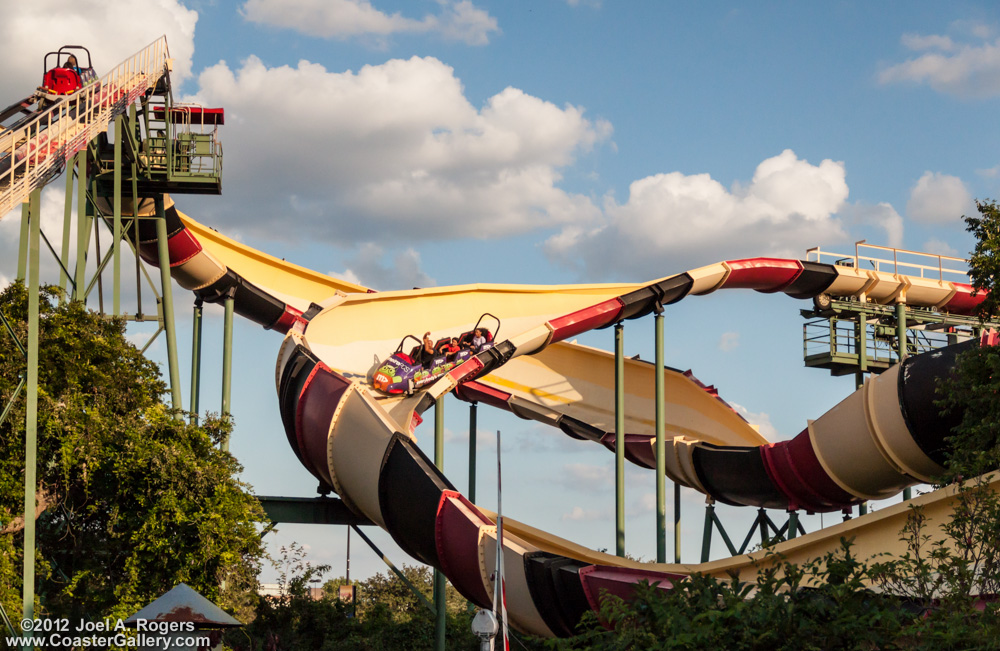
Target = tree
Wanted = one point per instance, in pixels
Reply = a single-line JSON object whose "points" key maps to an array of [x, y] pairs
{"points": [[131, 499], [387, 615], [984, 261]]}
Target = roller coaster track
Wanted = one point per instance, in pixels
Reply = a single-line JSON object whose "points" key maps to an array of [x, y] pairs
{"points": [[37, 150]]}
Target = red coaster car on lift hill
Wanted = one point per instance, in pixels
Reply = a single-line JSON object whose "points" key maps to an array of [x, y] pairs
{"points": [[405, 373], [67, 75]]}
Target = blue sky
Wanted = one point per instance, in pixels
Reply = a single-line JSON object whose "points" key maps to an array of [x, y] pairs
{"points": [[441, 142]]}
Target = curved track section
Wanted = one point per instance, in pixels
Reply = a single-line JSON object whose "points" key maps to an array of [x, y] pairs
{"points": [[361, 443]]}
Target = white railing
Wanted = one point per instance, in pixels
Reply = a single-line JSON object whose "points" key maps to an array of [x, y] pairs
{"points": [[34, 153], [909, 263]]}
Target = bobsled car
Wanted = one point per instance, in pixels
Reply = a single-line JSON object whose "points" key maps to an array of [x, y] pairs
{"points": [[404, 373]]}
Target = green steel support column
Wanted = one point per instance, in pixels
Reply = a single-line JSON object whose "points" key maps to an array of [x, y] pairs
{"points": [[227, 363], [907, 494], [67, 222], [31, 419], [440, 596], [196, 361], [22, 245], [82, 229], [762, 520], [472, 451], [168, 305], [706, 538], [677, 523], [901, 330], [619, 439], [116, 266], [661, 446], [863, 508], [793, 525]]}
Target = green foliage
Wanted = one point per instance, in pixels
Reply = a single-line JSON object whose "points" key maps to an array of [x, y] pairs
{"points": [[984, 262], [387, 615], [132, 499], [821, 605]]}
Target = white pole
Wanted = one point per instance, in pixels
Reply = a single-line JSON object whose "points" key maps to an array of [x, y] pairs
{"points": [[499, 588]]}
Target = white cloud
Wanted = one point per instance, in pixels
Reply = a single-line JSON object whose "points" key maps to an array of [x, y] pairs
{"points": [[761, 419], [729, 341], [112, 30], [457, 21], [673, 221], [928, 42], [938, 198], [940, 247], [881, 215], [578, 513], [395, 148], [989, 173], [965, 69], [367, 269]]}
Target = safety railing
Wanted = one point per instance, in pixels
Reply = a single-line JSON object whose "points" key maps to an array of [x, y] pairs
{"points": [[833, 337], [36, 152], [183, 143], [897, 261]]}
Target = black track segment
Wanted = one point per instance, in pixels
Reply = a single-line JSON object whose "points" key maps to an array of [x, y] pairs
{"points": [[409, 490], [293, 378], [495, 357], [544, 592], [815, 278], [737, 476], [559, 613], [918, 378], [572, 600], [312, 311], [579, 429], [249, 301], [641, 302]]}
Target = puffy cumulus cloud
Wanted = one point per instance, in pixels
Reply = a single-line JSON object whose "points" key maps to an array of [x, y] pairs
{"points": [[881, 215], [761, 420], [457, 21], [112, 30], [959, 68], [674, 221], [368, 269], [938, 198], [393, 148]]}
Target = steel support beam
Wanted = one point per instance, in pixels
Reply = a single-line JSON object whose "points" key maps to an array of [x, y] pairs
{"points": [[227, 364], [82, 228], [196, 360], [309, 510], [168, 306], [473, 408], [661, 446], [116, 265], [619, 439], [22, 246], [677, 523], [31, 407], [67, 223], [440, 594]]}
